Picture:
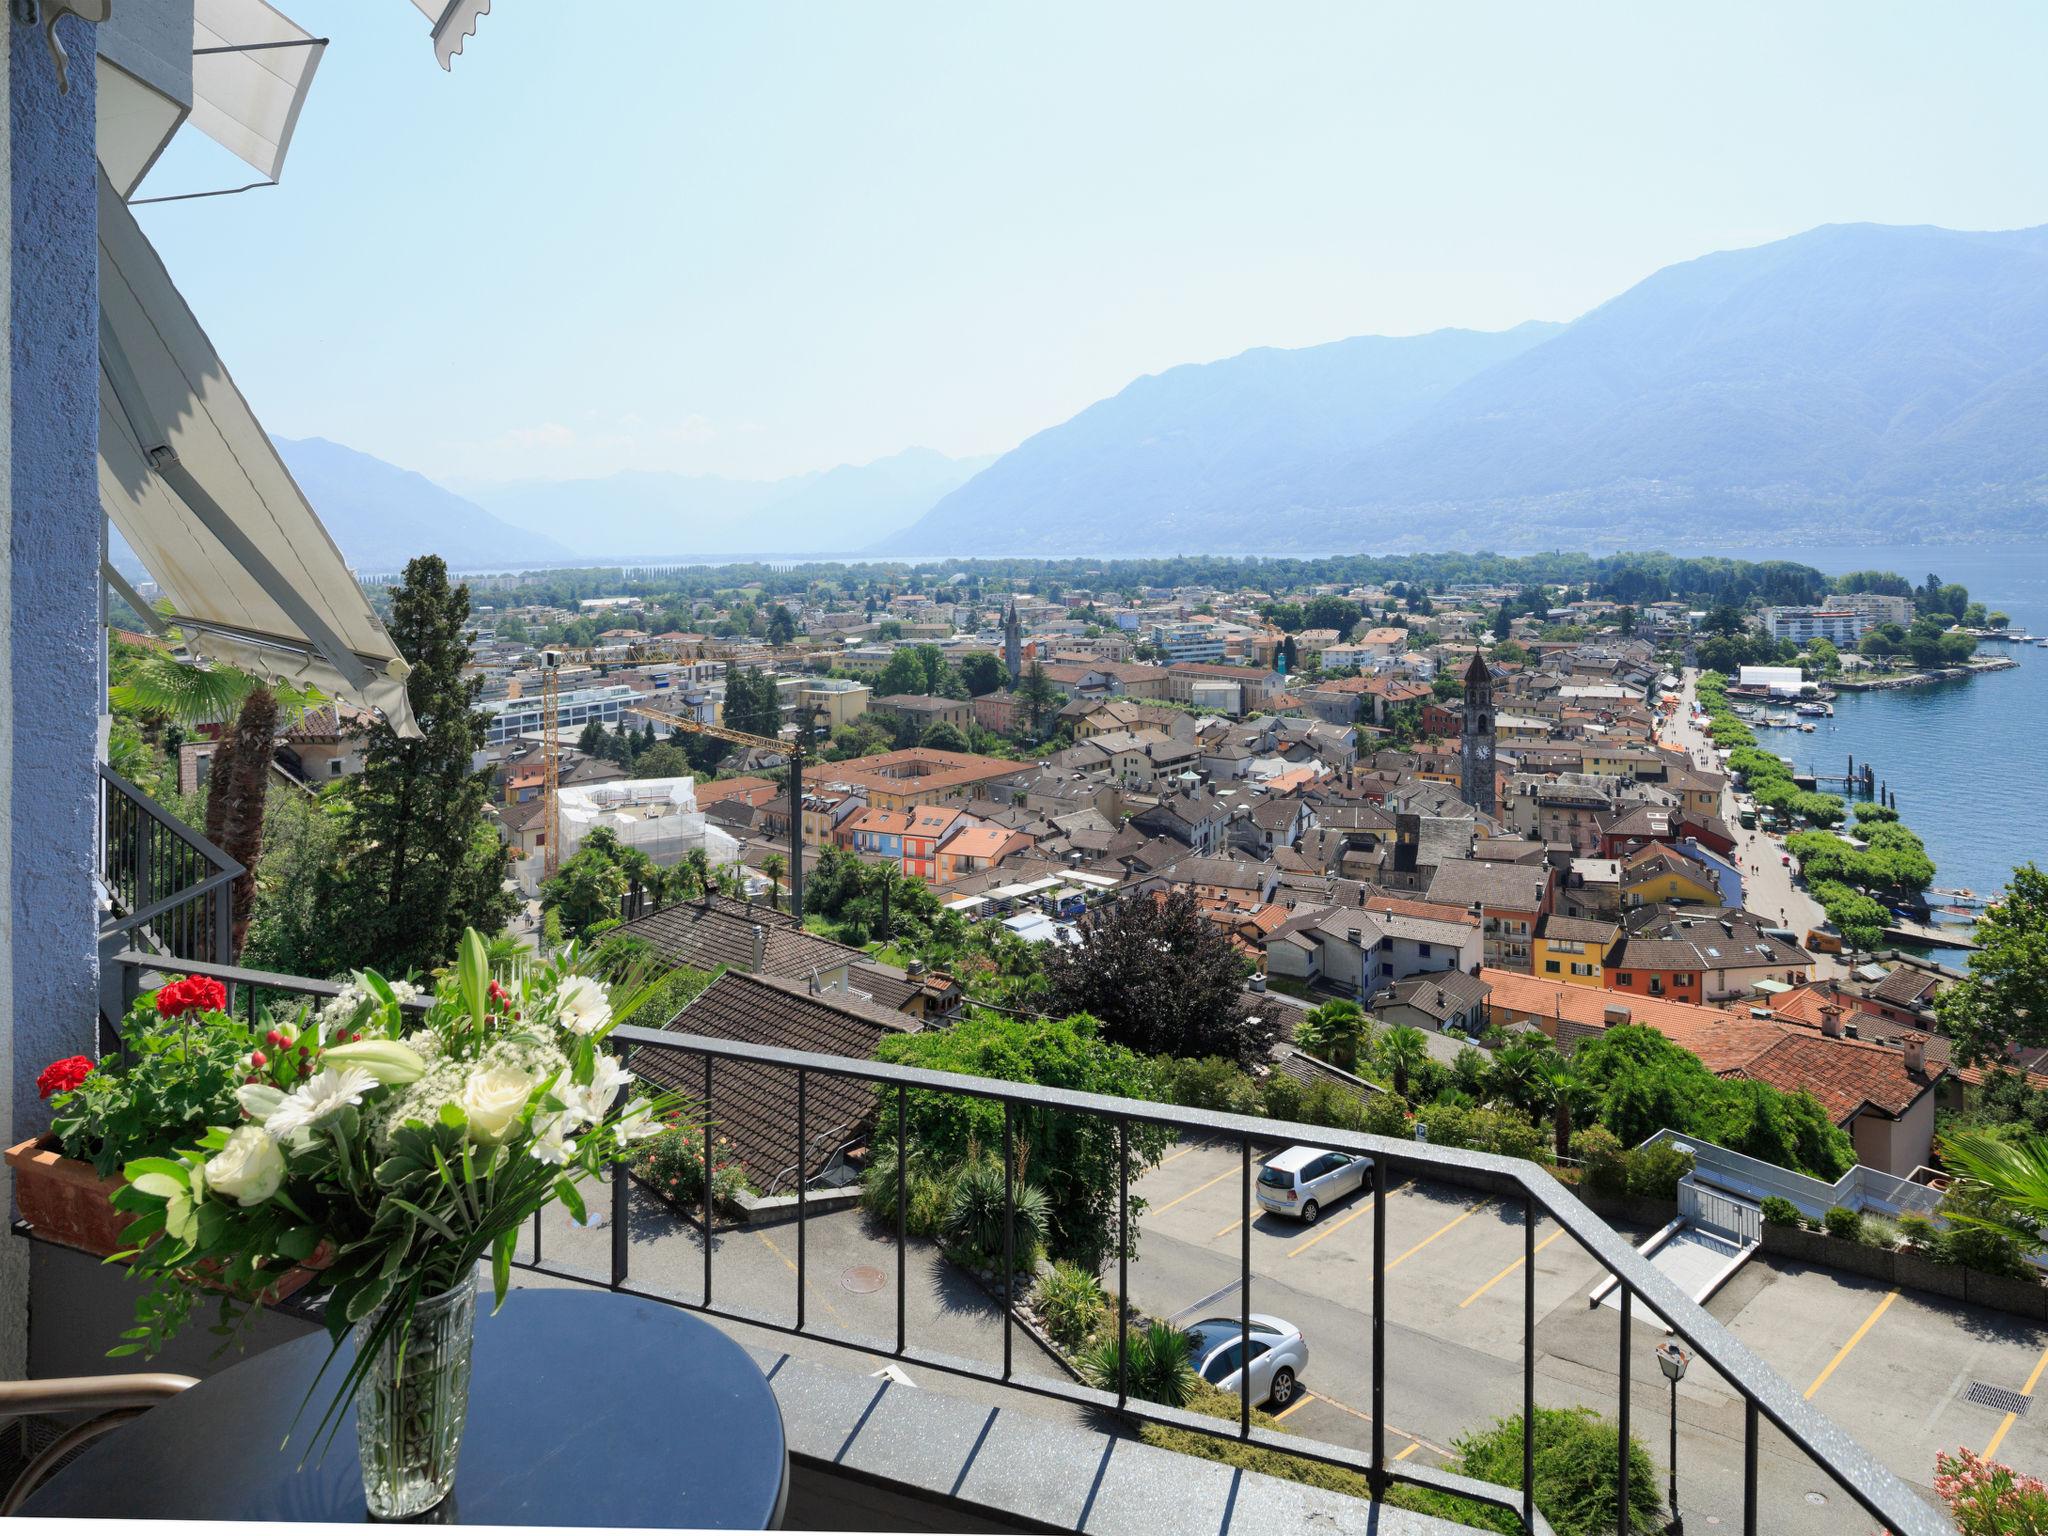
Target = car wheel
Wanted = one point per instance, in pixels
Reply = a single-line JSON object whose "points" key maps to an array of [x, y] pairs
{"points": [[1283, 1388], [1311, 1213]]}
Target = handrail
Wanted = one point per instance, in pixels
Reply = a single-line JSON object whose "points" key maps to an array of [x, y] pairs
{"points": [[167, 883], [1766, 1395]]}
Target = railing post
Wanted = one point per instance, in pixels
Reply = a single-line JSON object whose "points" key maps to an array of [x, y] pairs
{"points": [[902, 1209], [1009, 1230], [1749, 1429], [1244, 1290], [1379, 1328], [1123, 1259], [705, 1208], [1621, 1476], [802, 1168], [1528, 1364], [621, 1196]]}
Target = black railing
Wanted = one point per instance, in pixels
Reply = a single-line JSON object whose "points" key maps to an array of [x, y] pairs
{"points": [[168, 888], [1766, 1396], [124, 976]]}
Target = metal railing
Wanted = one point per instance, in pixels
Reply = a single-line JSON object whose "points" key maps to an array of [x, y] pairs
{"points": [[1767, 1397], [167, 885], [123, 975]]}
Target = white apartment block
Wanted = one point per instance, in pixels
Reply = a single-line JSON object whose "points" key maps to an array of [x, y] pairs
{"points": [[576, 708], [1839, 626]]}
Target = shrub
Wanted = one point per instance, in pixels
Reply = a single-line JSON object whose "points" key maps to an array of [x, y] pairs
{"points": [[1879, 1233], [927, 1199], [1968, 1242], [1844, 1223], [1921, 1234], [1070, 1302], [1780, 1212], [1210, 1082], [1157, 1365], [1654, 1171], [1577, 1467], [1987, 1498], [974, 1220], [1599, 1153], [672, 1165], [1386, 1114]]}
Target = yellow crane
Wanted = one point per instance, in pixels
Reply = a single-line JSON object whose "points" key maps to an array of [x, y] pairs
{"points": [[551, 752]]}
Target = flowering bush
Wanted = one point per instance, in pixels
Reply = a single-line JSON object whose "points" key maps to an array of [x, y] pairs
{"points": [[410, 1149], [181, 1060], [1987, 1498], [672, 1165]]}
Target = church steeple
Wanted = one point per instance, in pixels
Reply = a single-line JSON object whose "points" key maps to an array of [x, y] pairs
{"points": [[1476, 744], [1013, 642]]}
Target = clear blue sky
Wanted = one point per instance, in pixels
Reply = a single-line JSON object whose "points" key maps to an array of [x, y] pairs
{"points": [[768, 237]]}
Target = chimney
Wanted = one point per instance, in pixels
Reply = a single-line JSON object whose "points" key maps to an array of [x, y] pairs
{"points": [[1831, 1020], [1614, 1014], [1916, 1054], [760, 947], [1355, 935]]}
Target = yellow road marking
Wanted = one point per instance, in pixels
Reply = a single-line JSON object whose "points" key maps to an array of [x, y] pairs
{"points": [[1341, 1222], [1413, 1447], [2033, 1381], [1397, 1432], [1183, 1152], [1161, 1210], [791, 1263], [1463, 1215], [1496, 1280], [1222, 1231], [1291, 1407], [1854, 1339]]}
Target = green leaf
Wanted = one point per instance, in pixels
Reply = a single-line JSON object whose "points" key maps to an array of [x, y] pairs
{"points": [[163, 1185], [298, 1243], [368, 1299], [426, 1216], [163, 1165], [568, 1194], [453, 1117], [501, 1265]]}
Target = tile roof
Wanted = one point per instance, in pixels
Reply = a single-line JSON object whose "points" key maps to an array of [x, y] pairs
{"points": [[720, 931], [1517, 887], [1845, 1075], [753, 1105]]}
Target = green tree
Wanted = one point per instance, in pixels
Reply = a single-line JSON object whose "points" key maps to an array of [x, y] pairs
{"points": [[1402, 1050], [1162, 978], [752, 703], [587, 889], [981, 673], [423, 861], [1333, 1031], [774, 866], [943, 736], [2003, 1002], [1041, 698], [1073, 1158], [288, 930], [781, 627]]}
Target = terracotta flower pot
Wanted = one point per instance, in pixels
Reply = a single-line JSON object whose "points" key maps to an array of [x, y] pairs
{"points": [[64, 1199]]}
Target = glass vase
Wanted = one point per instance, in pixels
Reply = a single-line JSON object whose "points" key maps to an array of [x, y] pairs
{"points": [[412, 1405]]}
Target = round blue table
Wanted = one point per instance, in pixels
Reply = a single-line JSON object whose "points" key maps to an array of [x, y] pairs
{"points": [[585, 1408]]}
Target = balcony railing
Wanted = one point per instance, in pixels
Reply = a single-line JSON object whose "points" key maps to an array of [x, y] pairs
{"points": [[167, 886], [1766, 1397]]}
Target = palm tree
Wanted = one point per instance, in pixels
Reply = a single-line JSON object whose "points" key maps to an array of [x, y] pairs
{"points": [[1516, 1072], [2014, 1172], [1403, 1049], [884, 881], [773, 865], [1333, 1032], [160, 685], [1558, 1085]]}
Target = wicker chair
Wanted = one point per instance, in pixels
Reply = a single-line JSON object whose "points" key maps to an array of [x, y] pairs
{"points": [[113, 1400]]}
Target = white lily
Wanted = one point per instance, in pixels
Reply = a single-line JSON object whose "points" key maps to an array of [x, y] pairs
{"points": [[636, 1122], [581, 1006]]}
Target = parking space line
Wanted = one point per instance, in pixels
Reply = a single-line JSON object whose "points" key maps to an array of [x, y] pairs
{"points": [[1496, 1280], [1416, 1445], [1161, 1210], [1343, 1221], [1854, 1339], [1183, 1152], [1463, 1215], [1398, 1433], [1292, 1407], [2033, 1381], [791, 1263]]}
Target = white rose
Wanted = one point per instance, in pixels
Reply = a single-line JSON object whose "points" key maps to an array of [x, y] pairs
{"points": [[494, 1099], [248, 1169], [581, 1005]]}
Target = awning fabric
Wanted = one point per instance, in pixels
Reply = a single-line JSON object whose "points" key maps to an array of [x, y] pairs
{"points": [[191, 480], [247, 99], [452, 20]]}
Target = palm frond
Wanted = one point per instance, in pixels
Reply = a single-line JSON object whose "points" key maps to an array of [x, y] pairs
{"points": [[171, 689], [2015, 1172]]}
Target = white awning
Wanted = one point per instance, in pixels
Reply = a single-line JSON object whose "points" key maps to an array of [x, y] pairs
{"points": [[251, 69], [452, 20], [189, 477]]}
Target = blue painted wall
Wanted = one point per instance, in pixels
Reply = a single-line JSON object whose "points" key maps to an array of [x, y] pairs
{"points": [[52, 661]]}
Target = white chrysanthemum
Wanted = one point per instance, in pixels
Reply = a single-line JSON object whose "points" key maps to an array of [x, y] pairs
{"points": [[323, 1094]]}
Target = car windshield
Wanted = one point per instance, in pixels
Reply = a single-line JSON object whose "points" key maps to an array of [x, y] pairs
{"points": [[1213, 1332], [1279, 1178]]}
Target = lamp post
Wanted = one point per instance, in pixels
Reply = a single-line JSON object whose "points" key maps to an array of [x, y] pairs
{"points": [[1673, 1360]]}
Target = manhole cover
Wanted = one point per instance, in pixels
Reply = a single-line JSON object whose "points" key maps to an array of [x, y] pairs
{"points": [[2001, 1399], [863, 1278]]}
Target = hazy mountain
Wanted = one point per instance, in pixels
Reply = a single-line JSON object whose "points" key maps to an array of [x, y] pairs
{"points": [[382, 515], [1887, 380], [653, 516]]}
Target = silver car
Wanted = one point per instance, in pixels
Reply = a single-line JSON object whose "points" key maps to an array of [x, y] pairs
{"points": [[1279, 1355], [1303, 1182]]}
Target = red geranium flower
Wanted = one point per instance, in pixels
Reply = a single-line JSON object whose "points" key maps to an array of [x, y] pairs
{"points": [[192, 994], [63, 1076]]}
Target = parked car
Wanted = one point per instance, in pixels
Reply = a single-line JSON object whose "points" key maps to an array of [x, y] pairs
{"points": [[1303, 1182], [1279, 1356]]}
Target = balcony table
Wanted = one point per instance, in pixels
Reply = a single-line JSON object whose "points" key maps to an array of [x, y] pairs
{"points": [[585, 1408]]}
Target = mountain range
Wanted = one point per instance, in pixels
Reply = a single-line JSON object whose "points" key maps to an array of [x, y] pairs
{"points": [[1890, 380]]}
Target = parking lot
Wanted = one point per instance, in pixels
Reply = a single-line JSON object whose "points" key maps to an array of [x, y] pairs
{"points": [[1894, 1369]]}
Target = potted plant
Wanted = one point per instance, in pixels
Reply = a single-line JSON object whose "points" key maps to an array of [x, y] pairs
{"points": [[414, 1149], [173, 1077]]}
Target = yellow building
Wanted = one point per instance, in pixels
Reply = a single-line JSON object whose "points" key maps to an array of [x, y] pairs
{"points": [[1658, 875], [1571, 949]]}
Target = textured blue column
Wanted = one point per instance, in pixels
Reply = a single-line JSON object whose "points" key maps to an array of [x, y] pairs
{"points": [[51, 672]]}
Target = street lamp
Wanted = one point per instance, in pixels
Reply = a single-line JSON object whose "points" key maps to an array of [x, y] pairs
{"points": [[1672, 1361]]}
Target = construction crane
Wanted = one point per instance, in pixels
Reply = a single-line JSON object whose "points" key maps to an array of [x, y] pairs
{"points": [[551, 660]]}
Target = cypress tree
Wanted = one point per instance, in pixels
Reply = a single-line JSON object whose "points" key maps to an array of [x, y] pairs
{"points": [[425, 862]]}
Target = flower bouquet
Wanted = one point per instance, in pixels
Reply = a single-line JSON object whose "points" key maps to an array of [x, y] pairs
{"points": [[411, 1148]]}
